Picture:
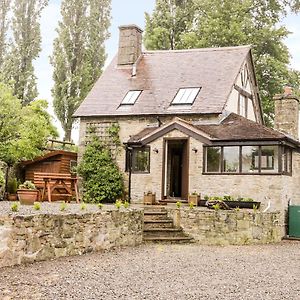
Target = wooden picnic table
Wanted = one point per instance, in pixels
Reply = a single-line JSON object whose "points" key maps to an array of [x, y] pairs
{"points": [[57, 184]]}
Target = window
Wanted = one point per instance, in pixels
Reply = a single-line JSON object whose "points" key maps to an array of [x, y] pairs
{"points": [[213, 159], [248, 160], [231, 159], [243, 101], [186, 96], [131, 97], [140, 160]]}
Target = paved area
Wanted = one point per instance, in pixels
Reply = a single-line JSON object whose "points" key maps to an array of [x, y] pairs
{"points": [[160, 271]]}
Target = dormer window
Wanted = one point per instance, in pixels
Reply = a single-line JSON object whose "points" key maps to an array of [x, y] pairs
{"points": [[186, 96], [131, 97]]}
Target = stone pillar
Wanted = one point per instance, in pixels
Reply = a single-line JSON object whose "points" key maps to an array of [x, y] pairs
{"points": [[287, 113], [130, 44]]}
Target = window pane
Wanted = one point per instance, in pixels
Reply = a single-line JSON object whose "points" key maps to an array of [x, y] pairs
{"points": [[269, 159], [131, 97], [213, 159], [288, 160], [250, 159], [186, 96], [231, 159], [141, 160]]}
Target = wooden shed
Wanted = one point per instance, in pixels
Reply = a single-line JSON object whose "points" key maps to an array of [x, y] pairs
{"points": [[57, 161]]}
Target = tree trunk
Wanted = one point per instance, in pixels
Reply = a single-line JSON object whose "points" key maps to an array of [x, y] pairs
{"points": [[68, 132]]}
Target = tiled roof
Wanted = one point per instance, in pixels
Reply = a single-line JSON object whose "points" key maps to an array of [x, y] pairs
{"points": [[231, 128], [235, 127], [160, 74]]}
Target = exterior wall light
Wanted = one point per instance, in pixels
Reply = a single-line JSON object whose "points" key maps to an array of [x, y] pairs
{"points": [[195, 150], [155, 150]]}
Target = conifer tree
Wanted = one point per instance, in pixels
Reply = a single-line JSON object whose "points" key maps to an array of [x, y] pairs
{"points": [[4, 9], [24, 49], [78, 55]]}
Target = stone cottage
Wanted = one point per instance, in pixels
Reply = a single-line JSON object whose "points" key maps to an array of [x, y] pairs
{"points": [[191, 120]]}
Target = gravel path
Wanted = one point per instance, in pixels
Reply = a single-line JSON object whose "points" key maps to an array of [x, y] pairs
{"points": [[162, 272]]}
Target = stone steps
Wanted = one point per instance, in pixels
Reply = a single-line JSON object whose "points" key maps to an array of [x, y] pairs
{"points": [[159, 228]]}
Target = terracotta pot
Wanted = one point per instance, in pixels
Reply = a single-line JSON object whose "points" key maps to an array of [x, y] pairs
{"points": [[12, 197], [27, 197]]}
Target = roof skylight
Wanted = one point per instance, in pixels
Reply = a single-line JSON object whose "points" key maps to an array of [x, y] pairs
{"points": [[186, 96], [131, 97]]}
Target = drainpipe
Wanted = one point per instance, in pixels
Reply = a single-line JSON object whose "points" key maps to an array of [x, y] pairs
{"points": [[129, 149], [159, 121], [268, 206]]}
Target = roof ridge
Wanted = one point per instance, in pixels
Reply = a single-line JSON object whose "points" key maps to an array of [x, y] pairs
{"points": [[199, 49]]}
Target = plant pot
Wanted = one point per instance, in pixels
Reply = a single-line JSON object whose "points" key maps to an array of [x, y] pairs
{"points": [[27, 197], [243, 204], [194, 199], [12, 197], [149, 199]]}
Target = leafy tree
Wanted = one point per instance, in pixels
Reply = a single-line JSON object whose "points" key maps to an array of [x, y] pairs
{"points": [[169, 20], [24, 49], [102, 179], [221, 23], [4, 9], [24, 131], [78, 55]]}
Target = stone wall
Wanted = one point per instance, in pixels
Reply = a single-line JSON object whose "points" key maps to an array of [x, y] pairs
{"points": [[209, 227], [38, 237]]}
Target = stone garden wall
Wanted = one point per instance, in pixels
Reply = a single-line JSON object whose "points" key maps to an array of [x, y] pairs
{"points": [[29, 238], [210, 227]]}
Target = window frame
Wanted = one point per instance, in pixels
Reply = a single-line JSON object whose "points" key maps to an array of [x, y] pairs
{"points": [[282, 170], [186, 103], [131, 103], [127, 159]]}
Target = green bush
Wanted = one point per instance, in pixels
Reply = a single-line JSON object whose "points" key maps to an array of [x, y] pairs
{"points": [[102, 180], [12, 186], [2, 180]]}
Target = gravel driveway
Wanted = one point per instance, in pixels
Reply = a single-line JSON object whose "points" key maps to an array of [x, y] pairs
{"points": [[158, 271]]}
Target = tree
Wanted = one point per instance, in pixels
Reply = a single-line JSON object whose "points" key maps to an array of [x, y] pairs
{"points": [[221, 23], [102, 179], [24, 131], [169, 20], [78, 55], [4, 9], [24, 49]]}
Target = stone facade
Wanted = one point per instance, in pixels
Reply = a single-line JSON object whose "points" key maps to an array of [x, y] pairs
{"points": [[38, 237], [279, 189], [130, 45], [209, 227], [287, 113]]}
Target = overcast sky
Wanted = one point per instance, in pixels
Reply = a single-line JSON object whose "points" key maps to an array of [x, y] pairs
{"points": [[123, 12]]}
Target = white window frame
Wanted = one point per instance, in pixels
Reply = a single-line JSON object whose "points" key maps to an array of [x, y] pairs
{"points": [[186, 96], [131, 97]]}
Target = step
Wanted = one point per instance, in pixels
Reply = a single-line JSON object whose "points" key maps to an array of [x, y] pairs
{"points": [[154, 225], [170, 200], [164, 234], [156, 218], [176, 240]]}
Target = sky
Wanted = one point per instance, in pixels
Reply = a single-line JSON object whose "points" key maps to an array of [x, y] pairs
{"points": [[123, 12]]}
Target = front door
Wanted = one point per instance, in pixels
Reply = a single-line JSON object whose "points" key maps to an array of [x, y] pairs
{"points": [[176, 169]]}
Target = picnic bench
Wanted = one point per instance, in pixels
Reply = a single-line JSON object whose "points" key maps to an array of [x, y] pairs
{"points": [[56, 185]]}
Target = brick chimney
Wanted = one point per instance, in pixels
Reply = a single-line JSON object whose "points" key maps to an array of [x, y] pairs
{"points": [[130, 44], [287, 113]]}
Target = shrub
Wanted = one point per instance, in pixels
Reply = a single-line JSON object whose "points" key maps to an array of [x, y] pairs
{"points": [[178, 204], [27, 185], [191, 205], [100, 205], [118, 204], [37, 206], [102, 179], [12, 186], [63, 206], [14, 207], [83, 206], [126, 204]]}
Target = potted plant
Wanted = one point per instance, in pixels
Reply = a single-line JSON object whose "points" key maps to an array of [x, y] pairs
{"points": [[12, 186], [149, 198], [27, 193], [194, 198]]}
